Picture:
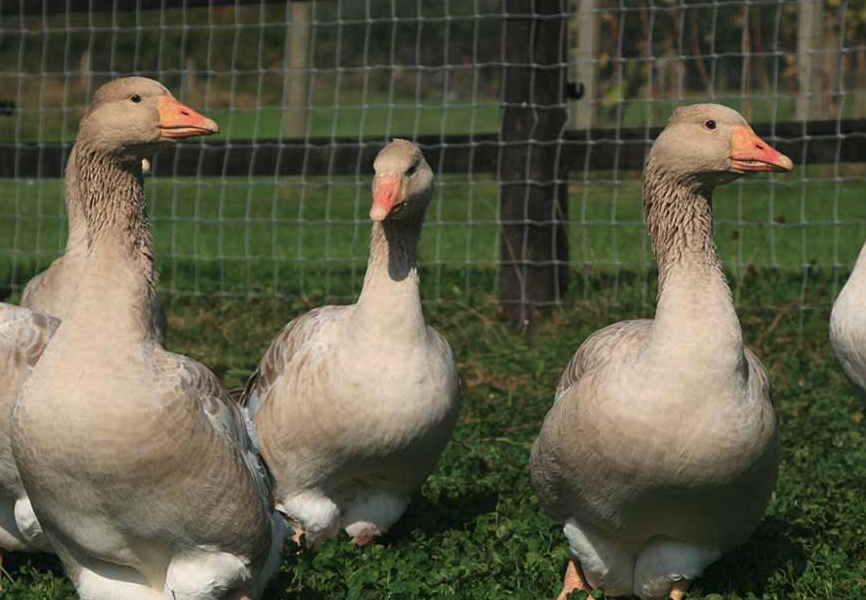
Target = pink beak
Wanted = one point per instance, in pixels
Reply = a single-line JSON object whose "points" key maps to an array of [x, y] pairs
{"points": [[751, 153], [387, 193]]}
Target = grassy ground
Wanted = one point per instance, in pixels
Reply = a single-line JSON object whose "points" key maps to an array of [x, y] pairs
{"points": [[476, 532]]}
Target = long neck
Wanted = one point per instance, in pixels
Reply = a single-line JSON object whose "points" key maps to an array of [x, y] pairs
{"points": [[695, 312], [390, 302], [76, 242], [119, 282]]}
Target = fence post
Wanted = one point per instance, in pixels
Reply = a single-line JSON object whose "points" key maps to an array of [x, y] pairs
{"points": [[296, 75], [85, 72], [188, 83], [534, 247], [810, 40], [587, 64]]}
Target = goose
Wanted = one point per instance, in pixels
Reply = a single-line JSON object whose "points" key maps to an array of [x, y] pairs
{"points": [[352, 405], [137, 463], [24, 335], [52, 290], [848, 326], [660, 451]]}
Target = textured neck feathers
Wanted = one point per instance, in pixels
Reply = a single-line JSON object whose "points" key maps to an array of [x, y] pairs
{"points": [[120, 278], [679, 217], [695, 312], [76, 242], [390, 300]]}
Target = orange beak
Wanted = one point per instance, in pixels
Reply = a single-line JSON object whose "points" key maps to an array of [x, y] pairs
{"points": [[387, 193], [177, 120], [751, 153]]}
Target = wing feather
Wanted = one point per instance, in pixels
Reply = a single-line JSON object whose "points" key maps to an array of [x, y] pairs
{"points": [[291, 340], [598, 349], [26, 333], [198, 383]]}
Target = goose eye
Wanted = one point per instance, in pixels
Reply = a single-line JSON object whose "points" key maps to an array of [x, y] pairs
{"points": [[710, 124], [135, 98], [411, 170]]}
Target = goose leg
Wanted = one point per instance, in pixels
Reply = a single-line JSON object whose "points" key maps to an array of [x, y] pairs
{"points": [[679, 588], [296, 535], [296, 529], [363, 540], [574, 579]]}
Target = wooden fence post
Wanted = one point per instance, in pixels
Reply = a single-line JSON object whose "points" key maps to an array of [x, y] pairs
{"points": [[582, 116], [810, 41], [534, 245], [296, 76]]}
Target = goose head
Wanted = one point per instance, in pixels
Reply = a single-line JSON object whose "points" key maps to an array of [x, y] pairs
{"points": [[403, 183], [711, 144], [135, 117]]}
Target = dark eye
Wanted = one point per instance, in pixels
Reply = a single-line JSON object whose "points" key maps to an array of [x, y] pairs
{"points": [[710, 124], [411, 170], [135, 98]]}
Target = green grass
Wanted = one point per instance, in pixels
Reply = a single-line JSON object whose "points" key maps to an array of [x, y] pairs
{"points": [[299, 237], [476, 532]]}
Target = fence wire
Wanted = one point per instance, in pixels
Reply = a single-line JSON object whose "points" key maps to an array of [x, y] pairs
{"points": [[299, 76]]}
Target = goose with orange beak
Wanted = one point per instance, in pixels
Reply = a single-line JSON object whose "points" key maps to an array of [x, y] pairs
{"points": [[354, 404], [110, 424], [159, 117], [396, 182], [695, 455]]}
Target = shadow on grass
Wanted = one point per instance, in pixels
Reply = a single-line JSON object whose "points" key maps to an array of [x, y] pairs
{"points": [[13, 561], [749, 568], [447, 513]]}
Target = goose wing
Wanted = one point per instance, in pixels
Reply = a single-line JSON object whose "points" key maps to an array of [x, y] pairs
{"points": [[198, 383], [291, 341], [24, 335], [601, 347]]}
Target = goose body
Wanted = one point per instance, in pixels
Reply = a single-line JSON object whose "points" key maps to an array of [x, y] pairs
{"points": [[660, 451], [52, 291], [353, 405], [24, 335], [848, 326], [137, 463]]}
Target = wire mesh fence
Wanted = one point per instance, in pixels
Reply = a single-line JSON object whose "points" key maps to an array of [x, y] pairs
{"points": [[305, 92]]}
